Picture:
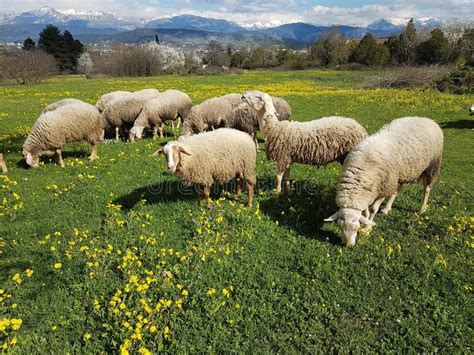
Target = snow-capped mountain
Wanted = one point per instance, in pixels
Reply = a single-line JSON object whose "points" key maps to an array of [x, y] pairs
{"points": [[399, 23], [100, 26], [93, 19]]}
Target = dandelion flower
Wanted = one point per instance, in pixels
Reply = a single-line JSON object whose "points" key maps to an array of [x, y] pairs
{"points": [[58, 265]]}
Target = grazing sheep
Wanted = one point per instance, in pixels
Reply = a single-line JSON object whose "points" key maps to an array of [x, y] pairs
{"points": [[471, 110], [220, 155], [72, 122], [316, 142], [124, 109], [245, 119], [3, 164], [104, 100], [55, 105], [209, 114], [405, 150], [169, 106]]}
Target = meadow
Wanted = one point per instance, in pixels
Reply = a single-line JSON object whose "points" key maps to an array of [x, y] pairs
{"points": [[116, 256]]}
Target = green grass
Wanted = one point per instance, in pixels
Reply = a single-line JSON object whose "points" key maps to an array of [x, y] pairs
{"points": [[142, 266]]}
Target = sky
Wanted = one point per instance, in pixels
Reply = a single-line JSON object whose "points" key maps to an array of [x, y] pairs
{"points": [[351, 12]]}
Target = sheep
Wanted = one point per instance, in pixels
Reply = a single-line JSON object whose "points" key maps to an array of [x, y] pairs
{"points": [[169, 106], [3, 164], [124, 109], [245, 119], [209, 114], [72, 122], [471, 110], [403, 151], [216, 156], [316, 142], [104, 100], [55, 105]]}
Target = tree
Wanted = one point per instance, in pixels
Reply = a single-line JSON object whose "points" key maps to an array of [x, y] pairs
{"points": [[407, 44], [64, 48], [370, 53], [74, 49], [330, 49], [28, 44], [85, 63], [28, 67], [392, 45], [435, 50]]}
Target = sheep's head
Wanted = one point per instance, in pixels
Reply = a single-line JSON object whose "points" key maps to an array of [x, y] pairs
{"points": [[471, 110], [349, 221], [135, 133], [32, 159], [173, 152], [256, 99]]}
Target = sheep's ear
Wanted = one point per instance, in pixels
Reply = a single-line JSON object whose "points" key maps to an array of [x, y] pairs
{"points": [[332, 218], [158, 152], [367, 221], [183, 150]]}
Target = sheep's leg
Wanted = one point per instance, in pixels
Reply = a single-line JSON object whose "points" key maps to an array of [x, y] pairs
{"points": [[60, 158], [366, 213], [117, 135], [427, 181], [390, 201], [102, 135], [286, 177], [250, 191], [155, 132], [207, 193], [375, 207], [172, 125], [3, 165], [198, 191], [94, 151], [179, 122], [279, 178], [238, 185]]}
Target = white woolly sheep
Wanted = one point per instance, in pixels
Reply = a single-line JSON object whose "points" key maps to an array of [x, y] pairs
{"points": [[316, 142], [72, 122], [3, 164], [245, 119], [55, 105], [209, 114], [124, 109], [169, 106], [216, 156], [106, 98], [403, 151]]}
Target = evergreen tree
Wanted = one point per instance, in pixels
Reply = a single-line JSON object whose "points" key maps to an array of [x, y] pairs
{"points": [[28, 44], [370, 53], [407, 44], [392, 45], [74, 49], [434, 50], [65, 49]]}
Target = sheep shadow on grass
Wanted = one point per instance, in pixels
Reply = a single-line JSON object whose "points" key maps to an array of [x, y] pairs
{"points": [[459, 124], [304, 210]]}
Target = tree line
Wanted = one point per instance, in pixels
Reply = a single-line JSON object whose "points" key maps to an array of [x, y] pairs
{"points": [[334, 49]]}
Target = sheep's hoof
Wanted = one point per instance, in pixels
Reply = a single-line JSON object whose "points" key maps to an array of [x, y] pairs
{"points": [[385, 210]]}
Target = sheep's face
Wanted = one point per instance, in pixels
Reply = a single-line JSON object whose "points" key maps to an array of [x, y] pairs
{"points": [[471, 110], [173, 152], [349, 221], [32, 159], [255, 99], [135, 133]]}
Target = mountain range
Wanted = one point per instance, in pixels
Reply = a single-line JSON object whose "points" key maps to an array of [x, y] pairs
{"points": [[98, 27]]}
